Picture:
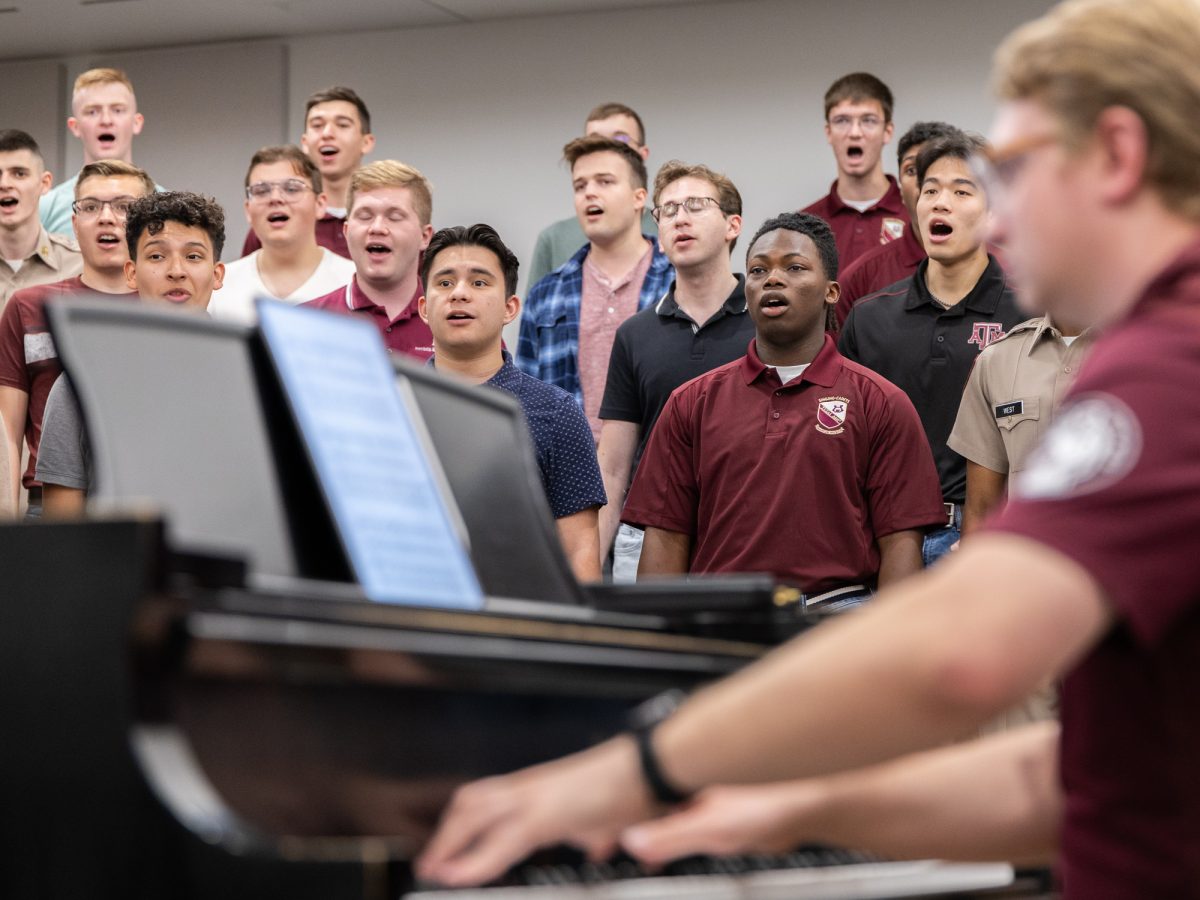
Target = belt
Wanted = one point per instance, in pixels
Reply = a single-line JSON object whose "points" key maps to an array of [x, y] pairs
{"points": [[951, 509], [786, 596]]}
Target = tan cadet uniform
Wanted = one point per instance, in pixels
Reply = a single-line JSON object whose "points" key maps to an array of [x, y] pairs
{"points": [[1010, 399], [55, 257]]}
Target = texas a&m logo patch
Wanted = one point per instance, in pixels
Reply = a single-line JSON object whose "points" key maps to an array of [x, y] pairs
{"points": [[831, 414], [984, 333]]}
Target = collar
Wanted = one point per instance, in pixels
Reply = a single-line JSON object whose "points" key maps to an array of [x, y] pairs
{"points": [[658, 259], [508, 375], [734, 305], [1165, 287], [44, 251], [823, 370], [356, 299], [1045, 326], [891, 201], [984, 297], [328, 217]]}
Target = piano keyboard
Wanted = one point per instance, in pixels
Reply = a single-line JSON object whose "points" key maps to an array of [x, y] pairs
{"points": [[800, 876]]}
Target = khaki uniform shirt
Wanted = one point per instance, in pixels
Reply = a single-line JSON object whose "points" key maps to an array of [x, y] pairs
{"points": [[1013, 391], [55, 257]]}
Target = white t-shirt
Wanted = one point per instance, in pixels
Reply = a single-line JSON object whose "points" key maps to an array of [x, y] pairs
{"points": [[790, 373], [234, 301]]}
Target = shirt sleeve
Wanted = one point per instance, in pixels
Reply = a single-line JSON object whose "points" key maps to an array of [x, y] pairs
{"points": [[526, 357], [621, 398], [665, 492], [975, 435], [902, 487], [572, 475], [1115, 483], [12, 348], [63, 451]]}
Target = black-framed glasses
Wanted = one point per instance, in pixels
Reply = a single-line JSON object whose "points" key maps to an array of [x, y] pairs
{"points": [[290, 189], [691, 204], [89, 207]]}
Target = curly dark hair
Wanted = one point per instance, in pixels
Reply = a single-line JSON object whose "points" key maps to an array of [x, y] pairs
{"points": [[152, 212], [820, 233]]}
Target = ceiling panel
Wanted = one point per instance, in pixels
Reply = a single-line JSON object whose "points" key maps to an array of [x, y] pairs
{"points": [[40, 28]]}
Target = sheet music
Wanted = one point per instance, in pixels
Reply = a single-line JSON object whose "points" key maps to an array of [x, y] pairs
{"points": [[387, 504]]}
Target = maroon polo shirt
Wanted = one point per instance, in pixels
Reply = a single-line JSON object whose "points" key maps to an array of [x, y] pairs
{"points": [[406, 333], [28, 358], [328, 231], [1115, 486], [878, 268], [799, 480], [858, 232]]}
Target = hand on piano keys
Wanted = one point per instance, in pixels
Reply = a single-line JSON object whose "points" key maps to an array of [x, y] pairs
{"points": [[585, 800]]}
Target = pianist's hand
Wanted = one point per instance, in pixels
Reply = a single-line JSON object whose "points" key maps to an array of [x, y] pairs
{"points": [[725, 821], [585, 799]]}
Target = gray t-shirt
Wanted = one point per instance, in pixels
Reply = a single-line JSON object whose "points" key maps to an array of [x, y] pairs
{"points": [[64, 455]]}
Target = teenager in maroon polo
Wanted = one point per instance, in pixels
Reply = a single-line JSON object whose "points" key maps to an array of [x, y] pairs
{"points": [[387, 231], [863, 206], [791, 460]]}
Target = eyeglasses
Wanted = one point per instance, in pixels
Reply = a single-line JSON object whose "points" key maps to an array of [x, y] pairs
{"points": [[998, 168], [691, 204], [89, 207], [291, 189], [867, 123]]}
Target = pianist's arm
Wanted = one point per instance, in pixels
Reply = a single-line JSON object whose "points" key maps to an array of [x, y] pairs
{"points": [[927, 662], [994, 799]]}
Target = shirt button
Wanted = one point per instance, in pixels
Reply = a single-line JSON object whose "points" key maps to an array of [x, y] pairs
{"points": [[389, 329], [774, 415], [941, 337], [1067, 369], [611, 310]]}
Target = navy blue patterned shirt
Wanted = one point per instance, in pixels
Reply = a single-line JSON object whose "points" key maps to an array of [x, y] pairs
{"points": [[562, 440]]}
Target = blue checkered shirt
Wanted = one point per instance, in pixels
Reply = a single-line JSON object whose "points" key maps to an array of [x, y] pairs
{"points": [[548, 346]]}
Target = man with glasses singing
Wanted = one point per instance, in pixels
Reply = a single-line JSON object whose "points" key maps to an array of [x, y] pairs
{"points": [[864, 206], [284, 200], [700, 323], [1088, 574], [28, 360]]}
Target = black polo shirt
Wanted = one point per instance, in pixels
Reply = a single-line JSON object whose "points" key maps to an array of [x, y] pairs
{"points": [[660, 348], [927, 351]]}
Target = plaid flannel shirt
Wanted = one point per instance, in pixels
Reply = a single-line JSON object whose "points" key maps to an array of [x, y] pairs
{"points": [[548, 345]]}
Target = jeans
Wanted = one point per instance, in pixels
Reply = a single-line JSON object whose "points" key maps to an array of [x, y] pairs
{"points": [[938, 543]]}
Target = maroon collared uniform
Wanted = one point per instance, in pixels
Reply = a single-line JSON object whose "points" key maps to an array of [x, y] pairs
{"points": [[799, 480], [328, 231], [877, 269], [1115, 486], [407, 333], [28, 359], [858, 232]]}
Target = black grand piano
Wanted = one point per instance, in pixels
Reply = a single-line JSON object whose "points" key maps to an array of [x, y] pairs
{"points": [[209, 698]]}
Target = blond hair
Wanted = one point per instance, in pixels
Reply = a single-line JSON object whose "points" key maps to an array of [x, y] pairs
{"points": [[93, 77], [1085, 56], [387, 173], [113, 168]]}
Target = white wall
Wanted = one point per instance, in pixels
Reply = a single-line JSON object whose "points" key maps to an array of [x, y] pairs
{"points": [[484, 109]]}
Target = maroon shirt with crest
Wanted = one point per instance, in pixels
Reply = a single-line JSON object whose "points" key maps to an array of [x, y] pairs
{"points": [[1115, 486], [798, 480], [857, 232]]}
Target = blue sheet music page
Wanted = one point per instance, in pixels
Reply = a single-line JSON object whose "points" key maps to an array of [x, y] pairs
{"points": [[386, 501]]}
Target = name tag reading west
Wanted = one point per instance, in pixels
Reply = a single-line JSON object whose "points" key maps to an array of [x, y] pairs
{"points": [[1012, 408]]}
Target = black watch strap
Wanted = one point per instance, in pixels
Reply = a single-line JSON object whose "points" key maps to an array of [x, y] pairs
{"points": [[663, 791]]}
